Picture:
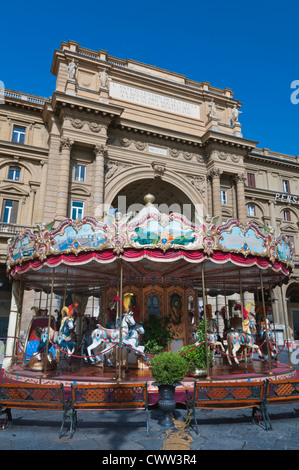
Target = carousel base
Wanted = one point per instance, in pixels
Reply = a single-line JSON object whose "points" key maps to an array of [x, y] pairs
{"points": [[255, 371]]}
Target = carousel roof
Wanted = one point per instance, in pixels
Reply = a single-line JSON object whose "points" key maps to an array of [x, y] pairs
{"points": [[153, 247]]}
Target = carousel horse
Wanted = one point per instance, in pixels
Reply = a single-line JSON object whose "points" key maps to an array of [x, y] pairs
{"points": [[212, 339], [63, 337], [236, 340], [109, 337], [262, 340], [132, 341]]}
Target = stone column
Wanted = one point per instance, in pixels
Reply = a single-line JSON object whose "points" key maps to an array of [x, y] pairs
{"points": [[13, 325], [214, 174], [64, 178], [99, 180], [272, 213], [241, 203]]}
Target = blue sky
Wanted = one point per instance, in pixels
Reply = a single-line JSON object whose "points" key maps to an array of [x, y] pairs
{"points": [[250, 46]]}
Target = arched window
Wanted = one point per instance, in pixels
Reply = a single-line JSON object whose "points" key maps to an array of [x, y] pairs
{"points": [[153, 305]]}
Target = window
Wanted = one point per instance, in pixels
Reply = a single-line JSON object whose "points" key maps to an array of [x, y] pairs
{"points": [[223, 197], [14, 173], [251, 210], [286, 186], [251, 180], [77, 210], [287, 216], [18, 134], [79, 173], [9, 211]]}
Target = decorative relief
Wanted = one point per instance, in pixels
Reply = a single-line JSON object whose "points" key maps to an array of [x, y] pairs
{"points": [[217, 155], [77, 123], [187, 156], [159, 169], [174, 152], [140, 145], [125, 142], [113, 167], [198, 182], [94, 126]]}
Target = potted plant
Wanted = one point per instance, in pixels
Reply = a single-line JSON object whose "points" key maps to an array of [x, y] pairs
{"points": [[195, 357], [168, 369], [158, 333]]}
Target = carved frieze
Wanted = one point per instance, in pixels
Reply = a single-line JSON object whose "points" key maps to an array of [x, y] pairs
{"points": [[113, 167], [198, 182]]}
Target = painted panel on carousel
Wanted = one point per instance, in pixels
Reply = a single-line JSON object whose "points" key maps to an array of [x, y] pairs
{"points": [[78, 236], [22, 247], [166, 232], [241, 239], [284, 249]]}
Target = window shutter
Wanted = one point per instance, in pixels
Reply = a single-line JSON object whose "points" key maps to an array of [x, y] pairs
{"points": [[251, 180], [14, 212]]}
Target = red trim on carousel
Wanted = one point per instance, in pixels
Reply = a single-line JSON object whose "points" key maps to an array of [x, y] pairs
{"points": [[131, 254]]}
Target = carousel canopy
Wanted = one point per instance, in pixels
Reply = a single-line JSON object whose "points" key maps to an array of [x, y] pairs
{"points": [[153, 247]]}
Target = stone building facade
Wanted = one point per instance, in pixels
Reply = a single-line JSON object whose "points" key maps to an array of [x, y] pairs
{"points": [[114, 130]]}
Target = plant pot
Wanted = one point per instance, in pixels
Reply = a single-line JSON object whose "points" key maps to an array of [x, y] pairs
{"points": [[167, 403], [197, 372]]}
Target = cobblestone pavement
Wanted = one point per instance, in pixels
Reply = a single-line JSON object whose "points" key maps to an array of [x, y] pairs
{"points": [[126, 430]]}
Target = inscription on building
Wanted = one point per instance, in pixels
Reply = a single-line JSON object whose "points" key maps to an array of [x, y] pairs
{"points": [[287, 198], [157, 150], [154, 100]]}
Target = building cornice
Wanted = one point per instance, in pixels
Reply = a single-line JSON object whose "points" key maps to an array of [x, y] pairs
{"points": [[61, 100], [273, 160]]}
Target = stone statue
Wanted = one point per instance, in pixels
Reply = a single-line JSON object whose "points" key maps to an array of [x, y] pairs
{"points": [[235, 115], [213, 108], [72, 68], [104, 79]]}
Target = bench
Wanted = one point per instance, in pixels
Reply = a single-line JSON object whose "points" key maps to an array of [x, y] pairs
{"points": [[31, 397], [130, 396], [279, 392], [227, 395]]}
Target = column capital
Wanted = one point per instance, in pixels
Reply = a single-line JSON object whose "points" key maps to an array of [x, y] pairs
{"points": [[99, 150], [214, 173], [66, 143], [239, 178]]}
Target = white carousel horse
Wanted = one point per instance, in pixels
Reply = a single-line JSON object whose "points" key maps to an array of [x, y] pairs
{"points": [[109, 336], [212, 339], [236, 340], [132, 341]]}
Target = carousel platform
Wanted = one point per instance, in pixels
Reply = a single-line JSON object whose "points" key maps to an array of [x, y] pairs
{"points": [[254, 371]]}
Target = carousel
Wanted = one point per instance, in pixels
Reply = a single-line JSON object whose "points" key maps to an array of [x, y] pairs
{"points": [[117, 277]]}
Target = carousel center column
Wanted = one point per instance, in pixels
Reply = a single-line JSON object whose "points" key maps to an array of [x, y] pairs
{"points": [[64, 176], [241, 202], [99, 180], [214, 175]]}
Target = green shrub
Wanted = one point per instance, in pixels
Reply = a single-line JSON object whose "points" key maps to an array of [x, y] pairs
{"points": [[168, 368], [158, 334], [197, 357]]}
